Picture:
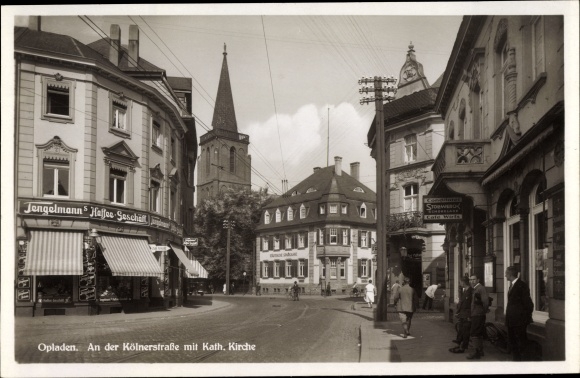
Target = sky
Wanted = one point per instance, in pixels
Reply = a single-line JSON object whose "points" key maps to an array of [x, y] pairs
{"points": [[294, 78]]}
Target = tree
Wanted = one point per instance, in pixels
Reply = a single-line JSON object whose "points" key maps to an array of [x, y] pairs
{"points": [[244, 209]]}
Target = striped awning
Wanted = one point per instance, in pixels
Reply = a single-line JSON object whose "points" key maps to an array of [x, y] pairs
{"points": [[54, 253], [200, 269], [184, 260], [129, 256]]}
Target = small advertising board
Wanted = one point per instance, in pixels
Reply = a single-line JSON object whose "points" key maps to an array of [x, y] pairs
{"points": [[438, 209]]}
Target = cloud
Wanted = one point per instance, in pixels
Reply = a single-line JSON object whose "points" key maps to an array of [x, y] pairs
{"points": [[303, 137]]}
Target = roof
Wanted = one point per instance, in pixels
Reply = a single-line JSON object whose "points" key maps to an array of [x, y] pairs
{"points": [[437, 82], [405, 107], [328, 187], [224, 114], [179, 83], [103, 46]]}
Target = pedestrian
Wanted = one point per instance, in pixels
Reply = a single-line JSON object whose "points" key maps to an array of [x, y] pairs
{"points": [[370, 293], [406, 302], [518, 312], [479, 307], [232, 288], [463, 314], [211, 288], [295, 291], [224, 289], [328, 289], [429, 295], [394, 290]]}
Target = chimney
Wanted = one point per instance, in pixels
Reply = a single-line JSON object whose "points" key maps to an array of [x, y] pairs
{"points": [[34, 23], [316, 169], [354, 170], [115, 49], [133, 46], [338, 165]]}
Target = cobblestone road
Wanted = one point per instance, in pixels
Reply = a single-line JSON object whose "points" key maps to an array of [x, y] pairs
{"points": [[311, 330]]}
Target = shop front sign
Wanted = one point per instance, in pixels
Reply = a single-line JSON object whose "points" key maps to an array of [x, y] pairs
{"points": [[438, 209]]}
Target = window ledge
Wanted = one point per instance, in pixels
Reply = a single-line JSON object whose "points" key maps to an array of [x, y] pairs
{"points": [[57, 118], [157, 149], [120, 132]]}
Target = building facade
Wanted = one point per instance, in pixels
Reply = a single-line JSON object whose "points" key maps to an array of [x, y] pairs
{"points": [[101, 175], [320, 233], [502, 99], [413, 137], [224, 161]]}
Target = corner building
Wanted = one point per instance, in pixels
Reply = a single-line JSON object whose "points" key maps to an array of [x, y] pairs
{"points": [[320, 233], [101, 169], [502, 99]]}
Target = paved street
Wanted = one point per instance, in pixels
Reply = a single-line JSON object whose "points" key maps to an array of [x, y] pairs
{"points": [[312, 330]]}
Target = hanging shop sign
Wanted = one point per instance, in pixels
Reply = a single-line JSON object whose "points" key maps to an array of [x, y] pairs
{"points": [[442, 209], [190, 242]]}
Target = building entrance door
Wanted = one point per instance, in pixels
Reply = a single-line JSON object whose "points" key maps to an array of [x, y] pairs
{"points": [[412, 269]]}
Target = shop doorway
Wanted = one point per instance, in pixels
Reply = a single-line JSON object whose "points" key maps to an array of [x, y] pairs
{"points": [[411, 267]]}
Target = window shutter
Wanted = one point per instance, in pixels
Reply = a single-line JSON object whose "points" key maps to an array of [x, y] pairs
{"points": [[282, 269], [327, 236], [359, 265], [261, 269], [305, 268], [348, 236], [317, 233], [369, 267], [294, 268], [306, 239], [359, 232], [271, 243], [261, 244], [294, 240], [282, 241], [339, 232], [270, 268]]}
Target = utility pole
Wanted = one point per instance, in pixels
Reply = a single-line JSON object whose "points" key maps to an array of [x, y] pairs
{"points": [[327, 136], [228, 225], [381, 93]]}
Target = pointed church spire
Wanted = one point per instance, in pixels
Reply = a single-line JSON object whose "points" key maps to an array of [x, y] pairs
{"points": [[224, 115], [411, 77]]}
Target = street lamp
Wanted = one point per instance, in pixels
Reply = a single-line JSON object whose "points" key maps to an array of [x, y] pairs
{"points": [[245, 288], [382, 93]]}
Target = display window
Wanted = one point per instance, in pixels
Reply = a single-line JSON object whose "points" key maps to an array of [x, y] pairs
{"points": [[54, 289], [112, 289]]}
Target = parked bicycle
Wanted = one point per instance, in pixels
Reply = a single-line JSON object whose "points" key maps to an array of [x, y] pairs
{"points": [[497, 337]]}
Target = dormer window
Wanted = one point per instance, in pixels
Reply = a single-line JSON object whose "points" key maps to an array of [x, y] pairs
{"points": [[321, 209], [311, 189], [344, 209], [294, 193], [278, 216], [302, 211], [333, 209], [290, 214], [363, 211], [266, 218], [358, 189]]}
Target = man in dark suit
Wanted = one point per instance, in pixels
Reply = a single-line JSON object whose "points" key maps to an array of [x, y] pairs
{"points": [[518, 312]]}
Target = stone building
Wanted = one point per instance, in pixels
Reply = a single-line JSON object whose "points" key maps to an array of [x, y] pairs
{"points": [[502, 162], [320, 233], [103, 139]]}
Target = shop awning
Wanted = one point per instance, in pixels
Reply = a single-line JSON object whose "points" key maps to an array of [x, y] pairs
{"points": [[54, 253], [200, 269], [128, 256], [181, 256]]}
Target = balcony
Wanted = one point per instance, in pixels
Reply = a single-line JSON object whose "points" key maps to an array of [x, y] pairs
{"points": [[332, 251], [463, 156], [404, 221], [225, 134]]}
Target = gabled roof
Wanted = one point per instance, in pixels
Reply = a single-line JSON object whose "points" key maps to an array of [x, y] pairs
{"points": [[224, 114]]}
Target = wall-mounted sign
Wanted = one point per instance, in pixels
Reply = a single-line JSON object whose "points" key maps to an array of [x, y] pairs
{"points": [[190, 242], [442, 209], [73, 209], [158, 248]]}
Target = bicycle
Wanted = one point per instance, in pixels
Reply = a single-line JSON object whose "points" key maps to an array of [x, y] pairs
{"points": [[497, 337]]}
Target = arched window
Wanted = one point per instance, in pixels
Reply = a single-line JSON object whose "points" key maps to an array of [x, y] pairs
{"points": [[451, 131], [232, 160], [207, 161]]}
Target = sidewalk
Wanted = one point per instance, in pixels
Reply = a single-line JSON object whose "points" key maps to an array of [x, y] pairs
{"points": [[198, 305], [430, 341]]}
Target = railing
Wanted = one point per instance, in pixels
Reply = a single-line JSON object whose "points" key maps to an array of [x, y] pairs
{"points": [[461, 156], [401, 221], [219, 133]]}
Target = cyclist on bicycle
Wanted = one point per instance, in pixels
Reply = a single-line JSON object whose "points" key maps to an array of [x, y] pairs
{"points": [[295, 291]]}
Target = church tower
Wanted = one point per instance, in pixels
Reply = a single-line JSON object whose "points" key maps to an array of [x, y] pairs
{"points": [[224, 161]]}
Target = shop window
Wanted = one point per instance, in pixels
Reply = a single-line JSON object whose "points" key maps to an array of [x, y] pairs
{"points": [[114, 288], [155, 197], [410, 148], [58, 104], [333, 267], [55, 178], [117, 182], [333, 209], [411, 198], [539, 261], [512, 233], [54, 289], [290, 214]]}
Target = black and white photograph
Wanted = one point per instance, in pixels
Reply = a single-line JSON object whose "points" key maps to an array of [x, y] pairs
{"points": [[309, 189]]}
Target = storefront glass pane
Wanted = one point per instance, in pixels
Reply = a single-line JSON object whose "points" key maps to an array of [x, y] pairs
{"points": [[54, 289]]}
